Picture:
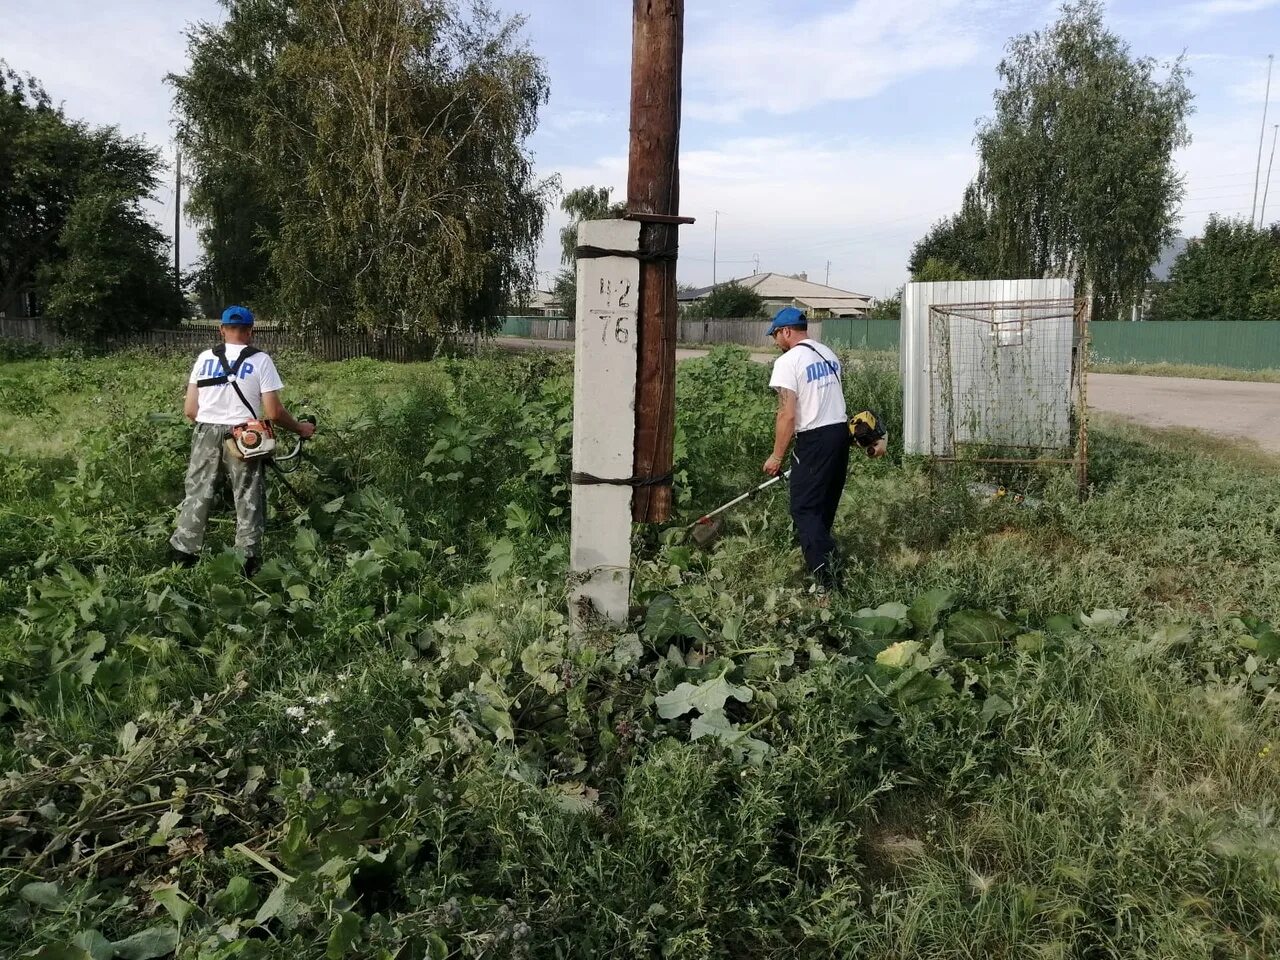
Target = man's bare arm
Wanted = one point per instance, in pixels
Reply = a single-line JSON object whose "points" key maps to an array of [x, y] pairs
{"points": [[273, 410], [784, 428]]}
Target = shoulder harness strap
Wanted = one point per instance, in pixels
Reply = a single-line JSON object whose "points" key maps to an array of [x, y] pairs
{"points": [[228, 371], [834, 368]]}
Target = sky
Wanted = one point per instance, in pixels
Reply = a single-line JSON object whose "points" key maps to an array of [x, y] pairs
{"points": [[828, 134]]}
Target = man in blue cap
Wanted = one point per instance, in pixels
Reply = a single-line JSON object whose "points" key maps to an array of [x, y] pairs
{"points": [[231, 386], [811, 409]]}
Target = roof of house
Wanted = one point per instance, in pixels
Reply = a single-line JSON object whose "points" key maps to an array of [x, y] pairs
{"points": [[834, 304], [779, 286], [543, 300]]}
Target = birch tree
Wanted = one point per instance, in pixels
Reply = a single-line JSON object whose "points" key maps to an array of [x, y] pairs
{"points": [[1076, 173], [381, 148]]}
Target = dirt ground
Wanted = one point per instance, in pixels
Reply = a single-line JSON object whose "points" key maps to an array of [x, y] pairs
{"points": [[1236, 409]]}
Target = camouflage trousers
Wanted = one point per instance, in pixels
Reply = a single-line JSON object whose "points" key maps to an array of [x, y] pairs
{"points": [[248, 486]]}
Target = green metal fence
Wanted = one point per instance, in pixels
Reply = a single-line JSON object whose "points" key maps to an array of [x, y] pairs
{"points": [[1245, 344], [861, 333], [518, 326]]}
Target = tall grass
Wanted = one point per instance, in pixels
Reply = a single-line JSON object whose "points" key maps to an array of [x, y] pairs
{"points": [[395, 716]]}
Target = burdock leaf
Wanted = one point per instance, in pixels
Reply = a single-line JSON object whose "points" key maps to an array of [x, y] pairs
{"points": [[706, 697], [929, 607], [157, 941]]}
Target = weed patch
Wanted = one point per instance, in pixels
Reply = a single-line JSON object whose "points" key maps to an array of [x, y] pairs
{"points": [[1030, 728]]}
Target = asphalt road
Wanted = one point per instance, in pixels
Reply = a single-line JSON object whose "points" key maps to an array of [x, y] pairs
{"points": [[1237, 409]]}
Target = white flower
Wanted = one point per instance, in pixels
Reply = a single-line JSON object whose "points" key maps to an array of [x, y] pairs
{"points": [[327, 738], [296, 712]]}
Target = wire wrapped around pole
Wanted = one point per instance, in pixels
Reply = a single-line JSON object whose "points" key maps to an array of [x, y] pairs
{"points": [[587, 479], [656, 256]]}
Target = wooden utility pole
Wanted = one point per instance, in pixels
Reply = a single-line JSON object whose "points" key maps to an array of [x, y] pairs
{"points": [[653, 198], [177, 224]]}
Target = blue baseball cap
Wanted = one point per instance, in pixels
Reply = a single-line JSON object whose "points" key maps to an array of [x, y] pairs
{"points": [[237, 317], [787, 317]]}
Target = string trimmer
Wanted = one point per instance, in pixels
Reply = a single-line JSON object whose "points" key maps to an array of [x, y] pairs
{"points": [[706, 529], [290, 462]]}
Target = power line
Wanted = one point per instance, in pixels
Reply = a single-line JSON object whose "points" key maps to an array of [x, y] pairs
{"points": [[1189, 213], [1245, 174]]}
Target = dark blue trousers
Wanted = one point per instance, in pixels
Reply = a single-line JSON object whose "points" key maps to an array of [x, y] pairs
{"points": [[819, 464]]}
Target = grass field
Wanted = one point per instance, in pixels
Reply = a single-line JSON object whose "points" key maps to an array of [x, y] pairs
{"points": [[1036, 729]]}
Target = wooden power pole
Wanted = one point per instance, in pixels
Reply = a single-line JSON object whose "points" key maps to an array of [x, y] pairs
{"points": [[177, 224], [653, 198]]}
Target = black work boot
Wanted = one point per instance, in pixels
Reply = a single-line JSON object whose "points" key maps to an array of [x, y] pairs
{"points": [[251, 566], [827, 576], [182, 558]]}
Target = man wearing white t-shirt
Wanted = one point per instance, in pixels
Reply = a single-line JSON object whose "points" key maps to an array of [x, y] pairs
{"points": [[229, 386], [811, 409]]}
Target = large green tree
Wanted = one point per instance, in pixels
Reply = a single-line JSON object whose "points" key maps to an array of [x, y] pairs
{"points": [[887, 308], [71, 223], [1230, 273], [963, 242], [584, 203], [728, 300], [1076, 165], [362, 162]]}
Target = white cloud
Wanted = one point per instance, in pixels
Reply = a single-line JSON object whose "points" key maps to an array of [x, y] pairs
{"points": [[1242, 78], [1220, 165], [1253, 85], [1204, 12], [762, 59], [796, 203], [861, 203], [564, 121]]}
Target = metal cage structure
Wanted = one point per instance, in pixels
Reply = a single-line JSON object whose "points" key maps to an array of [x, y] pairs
{"points": [[1009, 383]]}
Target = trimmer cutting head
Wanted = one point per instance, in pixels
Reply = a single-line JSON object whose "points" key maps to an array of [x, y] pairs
{"points": [[706, 531]]}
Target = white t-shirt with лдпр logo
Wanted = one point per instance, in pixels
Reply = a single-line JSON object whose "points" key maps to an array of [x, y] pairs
{"points": [[812, 372], [220, 405]]}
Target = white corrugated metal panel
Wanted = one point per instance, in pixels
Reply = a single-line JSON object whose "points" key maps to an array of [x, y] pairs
{"points": [[919, 372]]}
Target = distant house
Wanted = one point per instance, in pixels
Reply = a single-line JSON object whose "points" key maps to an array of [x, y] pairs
{"points": [[779, 290], [543, 303]]}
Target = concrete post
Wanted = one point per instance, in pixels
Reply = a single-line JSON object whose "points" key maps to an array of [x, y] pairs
{"points": [[604, 398]]}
